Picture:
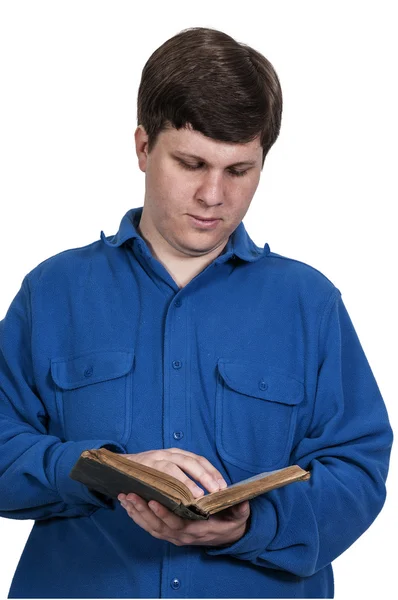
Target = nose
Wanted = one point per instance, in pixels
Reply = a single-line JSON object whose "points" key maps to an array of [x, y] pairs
{"points": [[210, 190]]}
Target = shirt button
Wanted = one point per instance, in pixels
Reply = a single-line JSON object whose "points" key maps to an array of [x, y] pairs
{"points": [[177, 364], [177, 303], [263, 385], [175, 583], [178, 435], [88, 372]]}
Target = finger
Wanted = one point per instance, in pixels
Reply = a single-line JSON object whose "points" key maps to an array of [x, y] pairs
{"points": [[172, 469], [215, 531], [182, 531], [139, 511], [206, 464], [171, 520], [240, 511], [185, 463], [199, 470]]}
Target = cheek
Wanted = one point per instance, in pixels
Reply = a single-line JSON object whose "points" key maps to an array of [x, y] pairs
{"points": [[251, 184], [241, 193], [172, 186]]}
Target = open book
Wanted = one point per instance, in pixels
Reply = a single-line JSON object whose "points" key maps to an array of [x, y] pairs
{"points": [[112, 474]]}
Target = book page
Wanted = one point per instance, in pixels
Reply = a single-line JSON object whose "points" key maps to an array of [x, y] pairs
{"points": [[251, 487]]}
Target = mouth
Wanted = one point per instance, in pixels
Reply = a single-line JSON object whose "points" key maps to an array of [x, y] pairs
{"points": [[199, 218], [203, 223]]}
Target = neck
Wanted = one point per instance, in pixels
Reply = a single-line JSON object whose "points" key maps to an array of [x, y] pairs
{"points": [[181, 267]]}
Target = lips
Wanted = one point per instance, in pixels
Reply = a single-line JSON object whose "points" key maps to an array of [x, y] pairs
{"points": [[204, 218], [206, 224]]}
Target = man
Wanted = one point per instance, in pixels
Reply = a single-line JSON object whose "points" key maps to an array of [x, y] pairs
{"points": [[183, 345]]}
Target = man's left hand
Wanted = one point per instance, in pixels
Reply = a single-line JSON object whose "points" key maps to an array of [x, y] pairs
{"points": [[221, 529]]}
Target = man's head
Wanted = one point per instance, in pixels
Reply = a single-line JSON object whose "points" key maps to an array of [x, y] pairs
{"points": [[220, 87], [209, 109]]}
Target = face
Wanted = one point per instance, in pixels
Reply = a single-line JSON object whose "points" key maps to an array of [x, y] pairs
{"points": [[190, 175]]}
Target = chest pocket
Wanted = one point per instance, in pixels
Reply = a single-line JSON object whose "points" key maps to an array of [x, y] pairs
{"points": [[256, 410], [93, 393]]}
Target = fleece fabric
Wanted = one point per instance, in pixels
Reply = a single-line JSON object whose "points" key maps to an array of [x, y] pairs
{"points": [[254, 364]]}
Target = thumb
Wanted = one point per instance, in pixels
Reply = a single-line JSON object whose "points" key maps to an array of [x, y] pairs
{"points": [[241, 510]]}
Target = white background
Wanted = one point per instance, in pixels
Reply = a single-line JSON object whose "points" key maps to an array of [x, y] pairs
{"points": [[69, 75]]}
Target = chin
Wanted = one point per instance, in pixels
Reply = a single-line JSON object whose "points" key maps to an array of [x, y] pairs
{"points": [[194, 249]]}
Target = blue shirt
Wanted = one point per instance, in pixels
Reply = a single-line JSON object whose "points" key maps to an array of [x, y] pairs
{"points": [[254, 364]]}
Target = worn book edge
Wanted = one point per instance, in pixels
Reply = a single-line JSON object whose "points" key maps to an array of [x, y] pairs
{"points": [[250, 488], [178, 496]]}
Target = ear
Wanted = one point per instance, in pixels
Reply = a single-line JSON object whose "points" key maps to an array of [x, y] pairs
{"points": [[141, 147]]}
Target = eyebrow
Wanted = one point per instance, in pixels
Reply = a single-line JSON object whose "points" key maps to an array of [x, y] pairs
{"points": [[250, 163]]}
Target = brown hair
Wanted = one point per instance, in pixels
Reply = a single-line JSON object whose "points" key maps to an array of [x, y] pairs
{"points": [[222, 88]]}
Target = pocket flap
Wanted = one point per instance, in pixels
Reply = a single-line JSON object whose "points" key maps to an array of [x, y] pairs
{"points": [[94, 367], [259, 381]]}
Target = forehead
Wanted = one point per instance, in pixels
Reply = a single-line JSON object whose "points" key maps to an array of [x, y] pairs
{"points": [[188, 141]]}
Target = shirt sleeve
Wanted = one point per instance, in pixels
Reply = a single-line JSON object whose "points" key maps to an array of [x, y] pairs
{"points": [[303, 527], [35, 466]]}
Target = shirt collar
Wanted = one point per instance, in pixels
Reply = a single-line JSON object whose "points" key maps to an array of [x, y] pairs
{"points": [[239, 243]]}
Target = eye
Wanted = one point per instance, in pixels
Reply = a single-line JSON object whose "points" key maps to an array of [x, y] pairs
{"points": [[190, 167], [237, 173]]}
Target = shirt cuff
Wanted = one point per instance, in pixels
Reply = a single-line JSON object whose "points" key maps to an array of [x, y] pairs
{"points": [[72, 491], [260, 532]]}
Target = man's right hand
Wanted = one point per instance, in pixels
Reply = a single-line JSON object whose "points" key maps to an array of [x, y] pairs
{"points": [[181, 463]]}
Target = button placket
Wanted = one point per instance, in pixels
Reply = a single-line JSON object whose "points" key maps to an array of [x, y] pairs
{"points": [[176, 391]]}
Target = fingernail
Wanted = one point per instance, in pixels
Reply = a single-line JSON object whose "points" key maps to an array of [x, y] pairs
{"points": [[215, 485], [223, 484], [153, 507]]}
